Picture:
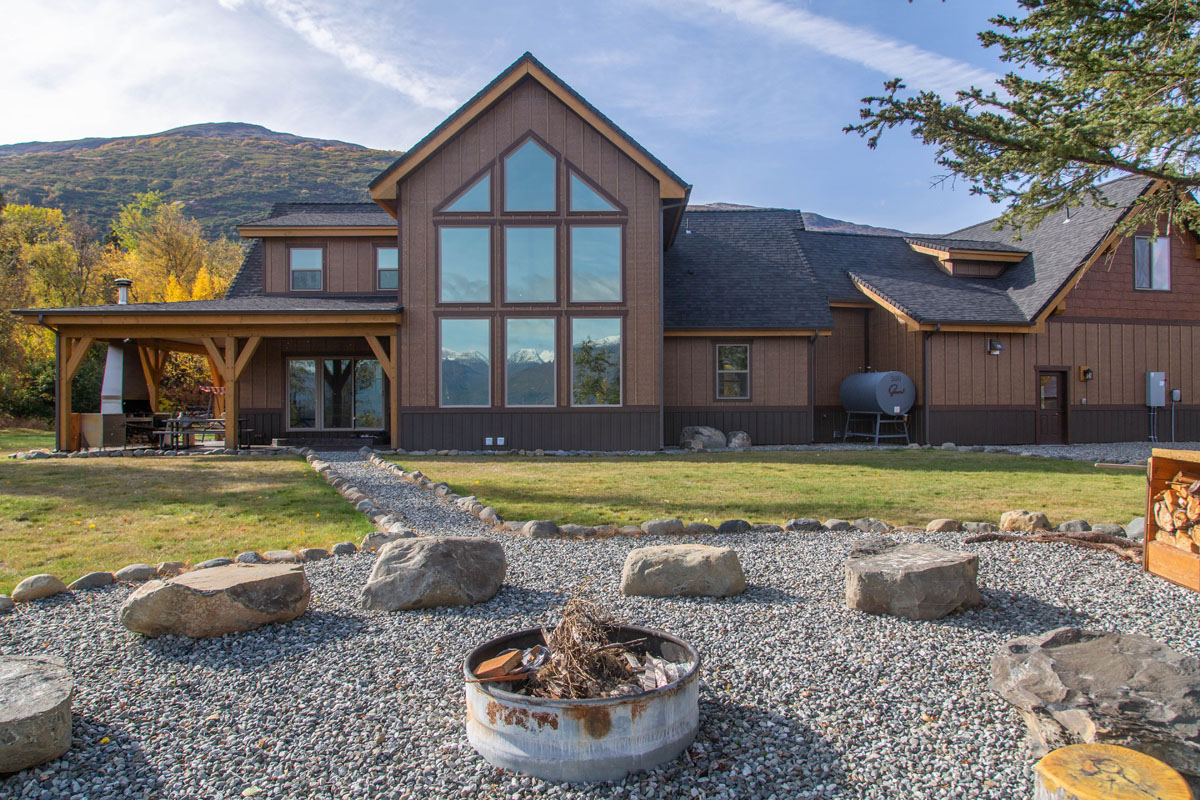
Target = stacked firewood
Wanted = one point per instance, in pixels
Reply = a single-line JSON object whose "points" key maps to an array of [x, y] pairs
{"points": [[1176, 512]]}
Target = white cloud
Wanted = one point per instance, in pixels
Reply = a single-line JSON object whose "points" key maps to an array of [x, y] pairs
{"points": [[333, 37], [920, 68]]}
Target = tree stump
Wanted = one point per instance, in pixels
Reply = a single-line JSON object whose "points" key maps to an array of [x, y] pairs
{"points": [[1106, 772]]}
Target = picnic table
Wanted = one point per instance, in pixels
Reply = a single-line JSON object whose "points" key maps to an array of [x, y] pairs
{"points": [[186, 431]]}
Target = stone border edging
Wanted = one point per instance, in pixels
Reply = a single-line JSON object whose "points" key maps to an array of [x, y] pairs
{"points": [[140, 452]]}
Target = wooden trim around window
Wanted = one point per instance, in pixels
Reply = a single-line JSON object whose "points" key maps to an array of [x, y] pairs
{"points": [[716, 355], [620, 225], [491, 227], [487, 316], [324, 248]]}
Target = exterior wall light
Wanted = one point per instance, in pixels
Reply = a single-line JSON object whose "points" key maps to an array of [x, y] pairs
{"points": [[1086, 374], [994, 347]]}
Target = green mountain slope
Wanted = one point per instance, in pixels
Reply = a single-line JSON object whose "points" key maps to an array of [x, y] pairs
{"points": [[224, 173]]}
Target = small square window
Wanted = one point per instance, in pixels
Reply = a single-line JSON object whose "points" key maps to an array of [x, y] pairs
{"points": [[305, 268], [733, 372]]}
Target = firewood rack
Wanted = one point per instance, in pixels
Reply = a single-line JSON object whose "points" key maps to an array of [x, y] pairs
{"points": [[877, 423]]}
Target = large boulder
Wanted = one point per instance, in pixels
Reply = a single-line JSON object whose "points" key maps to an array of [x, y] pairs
{"points": [[739, 439], [701, 437], [687, 570], [35, 587], [35, 711], [540, 529], [913, 580], [943, 525], [662, 527], [217, 601], [1076, 686], [1024, 521], [429, 571]]}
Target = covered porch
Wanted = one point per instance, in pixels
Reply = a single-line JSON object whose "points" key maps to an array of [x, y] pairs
{"points": [[227, 337]]}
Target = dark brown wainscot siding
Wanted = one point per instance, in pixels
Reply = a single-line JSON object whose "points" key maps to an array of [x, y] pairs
{"points": [[777, 411], [529, 108], [349, 264]]}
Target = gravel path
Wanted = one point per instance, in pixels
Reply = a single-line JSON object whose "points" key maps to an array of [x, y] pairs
{"points": [[800, 697]]}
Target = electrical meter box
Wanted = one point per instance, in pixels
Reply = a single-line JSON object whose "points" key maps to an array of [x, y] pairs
{"points": [[1156, 389]]}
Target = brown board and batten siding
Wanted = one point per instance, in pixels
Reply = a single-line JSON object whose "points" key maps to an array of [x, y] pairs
{"points": [[1120, 332], [777, 410], [349, 266], [530, 108], [836, 358]]}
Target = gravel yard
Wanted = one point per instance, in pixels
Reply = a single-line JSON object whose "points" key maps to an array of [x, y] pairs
{"points": [[799, 698]]}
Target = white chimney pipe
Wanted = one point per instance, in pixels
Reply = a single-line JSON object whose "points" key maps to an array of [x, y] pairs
{"points": [[123, 285]]}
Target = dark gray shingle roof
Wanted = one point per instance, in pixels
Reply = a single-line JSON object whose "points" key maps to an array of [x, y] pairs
{"points": [[272, 304], [1058, 247], [741, 269], [249, 279], [911, 281], [963, 244], [354, 215]]}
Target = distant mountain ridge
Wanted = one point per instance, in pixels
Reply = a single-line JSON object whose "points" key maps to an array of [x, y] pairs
{"points": [[203, 130], [224, 173]]}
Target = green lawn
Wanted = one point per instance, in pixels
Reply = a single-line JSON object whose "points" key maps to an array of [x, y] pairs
{"points": [[14, 439], [72, 517], [898, 486]]}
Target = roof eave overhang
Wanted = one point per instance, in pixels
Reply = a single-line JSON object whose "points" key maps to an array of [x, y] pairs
{"points": [[914, 323], [323, 231], [962, 254], [385, 187], [817, 330], [193, 325]]}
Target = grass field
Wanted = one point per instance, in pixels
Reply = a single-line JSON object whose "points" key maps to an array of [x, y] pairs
{"points": [[898, 486], [72, 517], [14, 439]]}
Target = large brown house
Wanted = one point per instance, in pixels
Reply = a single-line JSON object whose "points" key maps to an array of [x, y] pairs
{"points": [[529, 276]]}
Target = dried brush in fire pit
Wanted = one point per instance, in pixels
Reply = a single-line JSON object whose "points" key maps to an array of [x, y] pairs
{"points": [[584, 661]]}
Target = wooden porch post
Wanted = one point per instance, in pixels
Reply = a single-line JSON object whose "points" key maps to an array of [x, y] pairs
{"points": [[71, 352], [389, 361], [230, 364]]}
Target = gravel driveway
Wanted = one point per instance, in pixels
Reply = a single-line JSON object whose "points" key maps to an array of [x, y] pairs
{"points": [[800, 697]]}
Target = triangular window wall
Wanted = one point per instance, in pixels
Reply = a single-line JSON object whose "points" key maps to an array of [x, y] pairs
{"points": [[585, 198], [477, 199], [529, 179]]}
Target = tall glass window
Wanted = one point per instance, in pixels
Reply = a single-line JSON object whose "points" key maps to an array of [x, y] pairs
{"points": [[595, 264], [368, 394], [466, 374], [387, 268], [595, 362], [465, 262], [337, 399], [302, 393], [733, 371], [349, 395], [529, 362], [478, 198], [529, 265], [529, 179], [304, 267], [1152, 263]]}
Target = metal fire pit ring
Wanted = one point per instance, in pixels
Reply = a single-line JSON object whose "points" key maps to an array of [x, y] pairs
{"points": [[601, 739]]}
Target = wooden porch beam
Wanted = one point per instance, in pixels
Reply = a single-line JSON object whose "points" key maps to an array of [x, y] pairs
{"points": [[77, 350], [244, 357], [385, 360], [152, 370]]}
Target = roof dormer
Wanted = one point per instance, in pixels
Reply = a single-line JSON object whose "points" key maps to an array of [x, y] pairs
{"points": [[967, 258]]}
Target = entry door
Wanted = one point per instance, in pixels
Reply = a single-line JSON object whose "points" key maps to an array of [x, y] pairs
{"points": [[1052, 407]]}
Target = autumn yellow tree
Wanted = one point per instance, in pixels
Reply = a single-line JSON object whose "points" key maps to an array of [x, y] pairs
{"points": [[164, 252]]}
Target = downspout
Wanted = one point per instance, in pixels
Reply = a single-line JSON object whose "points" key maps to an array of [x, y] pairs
{"points": [[662, 301], [812, 386], [925, 382]]}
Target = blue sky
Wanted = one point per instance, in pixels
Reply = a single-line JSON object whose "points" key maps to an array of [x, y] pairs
{"points": [[745, 99]]}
